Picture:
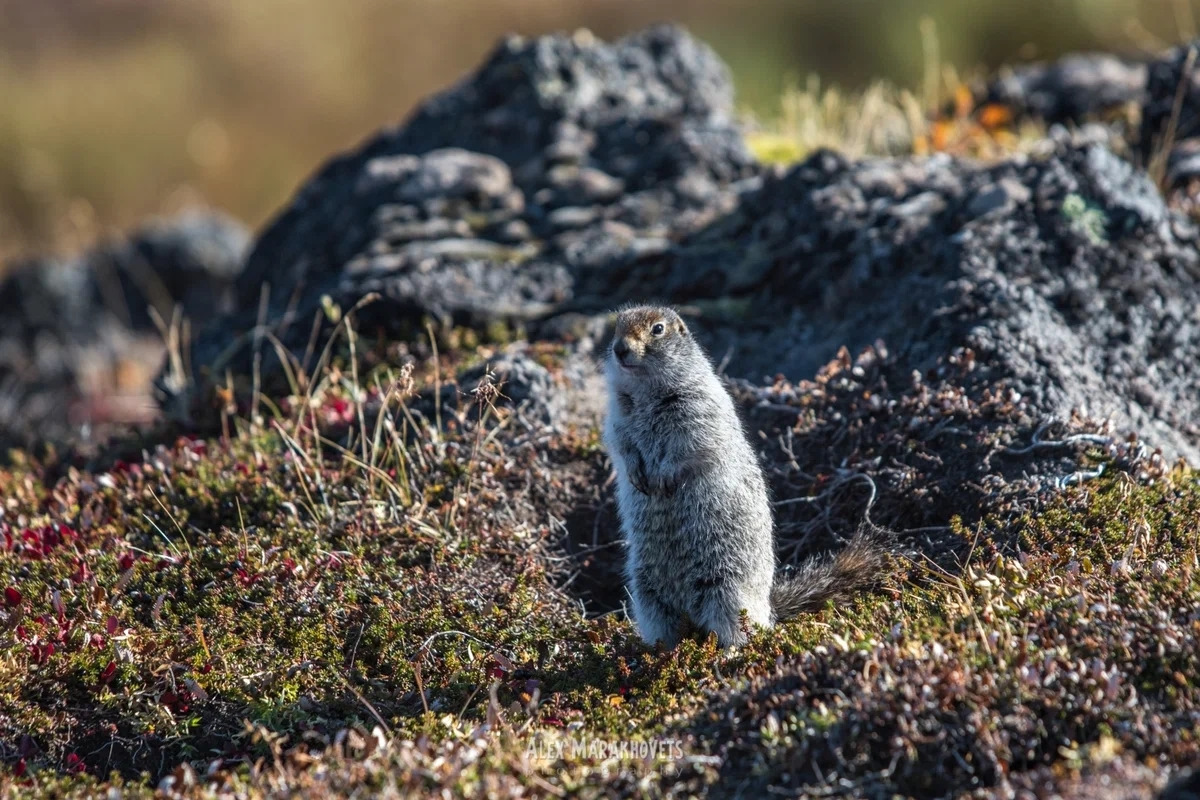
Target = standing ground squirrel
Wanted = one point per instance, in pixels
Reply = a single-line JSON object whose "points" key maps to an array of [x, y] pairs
{"points": [[693, 499]]}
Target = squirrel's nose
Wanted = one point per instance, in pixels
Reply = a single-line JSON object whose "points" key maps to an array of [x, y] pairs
{"points": [[620, 348]]}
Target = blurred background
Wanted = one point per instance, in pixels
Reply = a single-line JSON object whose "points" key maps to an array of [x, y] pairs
{"points": [[114, 110]]}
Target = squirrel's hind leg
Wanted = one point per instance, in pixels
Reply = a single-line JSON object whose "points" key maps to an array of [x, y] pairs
{"points": [[721, 613], [656, 621]]}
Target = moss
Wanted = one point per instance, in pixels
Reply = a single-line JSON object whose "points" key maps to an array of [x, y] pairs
{"points": [[1087, 218], [774, 148]]}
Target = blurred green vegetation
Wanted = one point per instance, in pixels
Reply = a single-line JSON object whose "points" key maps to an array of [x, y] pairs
{"points": [[118, 109]]}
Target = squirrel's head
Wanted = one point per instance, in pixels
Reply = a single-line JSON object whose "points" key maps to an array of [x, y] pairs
{"points": [[651, 342]]}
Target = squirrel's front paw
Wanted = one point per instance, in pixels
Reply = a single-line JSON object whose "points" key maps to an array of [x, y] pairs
{"points": [[637, 475], [663, 485], [669, 484]]}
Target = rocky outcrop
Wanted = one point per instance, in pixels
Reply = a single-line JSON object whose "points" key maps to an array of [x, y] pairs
{"points": [[1164, 91], [78, 343], [568, 176], [1066, 275], [1170, 130], [560, 156], [1075, 88]]}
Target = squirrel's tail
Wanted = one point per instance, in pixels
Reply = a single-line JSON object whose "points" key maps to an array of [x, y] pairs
{"points": [[860, 565]]}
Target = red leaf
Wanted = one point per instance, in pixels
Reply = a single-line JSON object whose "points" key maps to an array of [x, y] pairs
{"points": [[82, 573], [12, 597], [40, 653], [111, 625], [19, 770], [175, 703], [108, 673]]}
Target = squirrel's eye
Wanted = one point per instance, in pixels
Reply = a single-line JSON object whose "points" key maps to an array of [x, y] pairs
{"points": [[659, 329]]}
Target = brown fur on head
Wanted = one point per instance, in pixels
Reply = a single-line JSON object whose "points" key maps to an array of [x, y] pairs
{"points": [[650, 340]]}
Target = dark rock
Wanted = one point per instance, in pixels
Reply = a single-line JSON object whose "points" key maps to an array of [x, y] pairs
{"points": [[1003, 196], [512, 231], [571, 144], [577, 186], [1171, 107], [1083, 88], [1183, 164], [1185, 786], [542, 399], [515, 384], [549, 137], [441, 176], [193, 261], [573, 217], [78, 342], [647, 109], [1077, 291], [1169, 142], [1075, 88]]}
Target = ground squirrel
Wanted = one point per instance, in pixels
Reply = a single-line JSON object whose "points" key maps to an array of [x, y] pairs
{"points": [[692, 497]]}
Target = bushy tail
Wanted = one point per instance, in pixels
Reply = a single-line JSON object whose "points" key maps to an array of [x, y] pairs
{"points": [[843, 575]]}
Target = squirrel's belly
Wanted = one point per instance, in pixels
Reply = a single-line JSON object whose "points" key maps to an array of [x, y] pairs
{"points": [[644, 516], [693, 529]]}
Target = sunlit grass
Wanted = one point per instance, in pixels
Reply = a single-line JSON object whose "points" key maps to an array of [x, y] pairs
{"points": [[882, 120]]}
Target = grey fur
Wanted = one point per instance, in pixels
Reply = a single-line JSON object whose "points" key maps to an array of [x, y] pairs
{"points": [[692, 497]]}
